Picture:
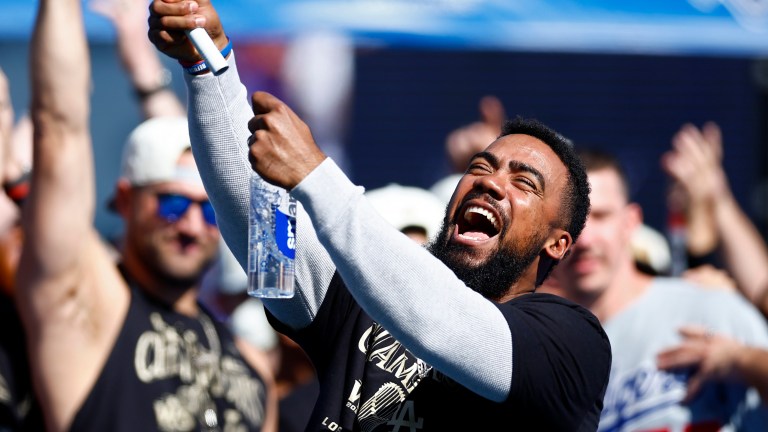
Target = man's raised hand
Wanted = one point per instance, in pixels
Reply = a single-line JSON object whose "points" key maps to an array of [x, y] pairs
{"points": [[281, 148], [169, 19]]}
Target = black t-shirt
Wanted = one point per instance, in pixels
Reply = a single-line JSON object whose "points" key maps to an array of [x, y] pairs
{"points": [[170, 372], [370, 382], [19, 409], [295, 407]]}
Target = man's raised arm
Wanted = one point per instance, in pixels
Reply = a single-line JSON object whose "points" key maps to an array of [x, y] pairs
{"points": [[59, 211], [67, 285]]}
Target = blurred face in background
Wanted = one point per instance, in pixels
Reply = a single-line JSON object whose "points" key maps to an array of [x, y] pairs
{"points": [[170, 228], [602, 254]]}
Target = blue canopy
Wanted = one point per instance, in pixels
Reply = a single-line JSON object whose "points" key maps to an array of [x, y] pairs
{"points": [[717, 27]]}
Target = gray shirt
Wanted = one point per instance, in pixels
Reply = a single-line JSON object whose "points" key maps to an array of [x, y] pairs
{"points": [[641, 397]]}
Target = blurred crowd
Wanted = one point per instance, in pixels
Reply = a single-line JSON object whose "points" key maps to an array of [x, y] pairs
{"points": [[684, 305]]}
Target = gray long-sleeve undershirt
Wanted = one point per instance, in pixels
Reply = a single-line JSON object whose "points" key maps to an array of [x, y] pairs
{"points": [[397, 282]]}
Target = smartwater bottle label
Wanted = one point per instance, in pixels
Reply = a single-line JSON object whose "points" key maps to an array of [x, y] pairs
{"points": [[285, 233]]}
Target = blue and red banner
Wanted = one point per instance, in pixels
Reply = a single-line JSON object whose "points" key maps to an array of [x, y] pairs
{"points": [[719, 27]]}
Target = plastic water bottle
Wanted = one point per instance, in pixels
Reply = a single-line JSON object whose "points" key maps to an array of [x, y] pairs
{"points": [[271, 241]]}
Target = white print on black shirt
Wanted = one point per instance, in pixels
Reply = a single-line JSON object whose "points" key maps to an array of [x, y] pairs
{"points": [[169, 352], [20, 406], [5, 393], [385, 353]]}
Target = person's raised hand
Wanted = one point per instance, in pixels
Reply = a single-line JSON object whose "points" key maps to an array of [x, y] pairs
{"points": [[694, 164], [695, 161], [169, 19], [127, 16], [281, 148], [464, 142]]}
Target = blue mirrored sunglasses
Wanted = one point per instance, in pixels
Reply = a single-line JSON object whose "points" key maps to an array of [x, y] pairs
{"points": [[172, 207]]}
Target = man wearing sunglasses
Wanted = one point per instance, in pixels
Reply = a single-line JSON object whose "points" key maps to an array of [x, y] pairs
{"points": [[123, 347]]}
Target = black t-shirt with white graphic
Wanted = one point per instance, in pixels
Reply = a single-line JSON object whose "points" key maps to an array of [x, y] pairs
{"points": [[171, 372], [19, 408], [369, 382]]}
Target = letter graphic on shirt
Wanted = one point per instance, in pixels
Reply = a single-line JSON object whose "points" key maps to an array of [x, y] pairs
{"points": [[380, 407], [168, 352], [642, 392], [406, 418], [5, 393], [164, 352], [171, 415], [371, 336], [388, 354], [354, 395], [246, 393]]}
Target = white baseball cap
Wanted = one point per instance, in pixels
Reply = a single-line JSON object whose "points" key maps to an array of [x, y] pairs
{"points": [[408, 206], [651, 248], [152, 151]]}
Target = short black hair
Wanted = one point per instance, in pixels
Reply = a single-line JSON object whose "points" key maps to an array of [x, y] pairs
{"points": [[575, 199]]}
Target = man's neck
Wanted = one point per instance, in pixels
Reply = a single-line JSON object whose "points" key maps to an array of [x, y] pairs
{"points": [[525, 285], [181, 299], [627, 286]]}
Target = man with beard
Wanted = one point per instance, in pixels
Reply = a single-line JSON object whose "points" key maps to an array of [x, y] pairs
{"points": [[122, 347], [399, 341]]}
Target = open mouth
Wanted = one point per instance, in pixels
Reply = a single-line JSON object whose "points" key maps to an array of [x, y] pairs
{"points": [[478, 223]]}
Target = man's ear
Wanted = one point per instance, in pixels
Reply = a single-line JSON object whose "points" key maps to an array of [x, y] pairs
{"points": [[558, 246], [122, 199], [634, 216]]}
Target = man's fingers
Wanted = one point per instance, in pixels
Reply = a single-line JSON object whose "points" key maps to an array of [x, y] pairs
{"points": [[163, 39], [694, 332], [668, 163], [175, 23], [269, 113], [714, 137], [677, 167], [492, 111], [257, 123], [712, 131], [679, 357], [173, 7], [173, 15], [252, 125], [204, 3], [264, 102]]}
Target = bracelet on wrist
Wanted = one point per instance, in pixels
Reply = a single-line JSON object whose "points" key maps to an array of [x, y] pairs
{"points": [[144, 94], [200, 67], [197, 68], [163, 83]]}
